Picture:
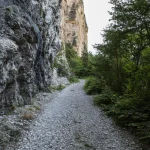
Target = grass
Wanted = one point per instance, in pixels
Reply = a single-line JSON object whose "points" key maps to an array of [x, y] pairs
{"points": [[60, 87], [37, 107], [80, 140], [28, 115], [73, 80], [88, 145], [30, 108]]}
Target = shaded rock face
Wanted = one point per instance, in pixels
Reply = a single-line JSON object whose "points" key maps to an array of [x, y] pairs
{"points": [[29, 41], [73, 24]]}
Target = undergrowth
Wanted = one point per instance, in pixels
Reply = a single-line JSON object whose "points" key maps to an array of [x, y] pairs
{"points": [[93, 86], [128, 111], [54, 88], [73, 80]]}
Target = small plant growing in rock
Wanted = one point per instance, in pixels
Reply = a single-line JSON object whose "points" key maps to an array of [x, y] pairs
{"points": [[54, 88], [73, 80], [9, 9], [13, 107], [60, 87], [31, 109], [37, 107]]}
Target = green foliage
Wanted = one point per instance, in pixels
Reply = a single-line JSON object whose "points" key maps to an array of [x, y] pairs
{"points": [[79, 65], [84, 57], [146, 139], [37, 107], [60, 65], [60, 87], [9, 9], [128, 111], [73, 80], [123, 64], [126, 103], [105, 98], [70, 52], [74, 60], [93, 86], [54, 88], [76, 66]]}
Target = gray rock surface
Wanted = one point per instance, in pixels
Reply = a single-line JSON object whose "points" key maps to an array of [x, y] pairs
{"points": [[71, 122], [58, 80], [29, 41]]}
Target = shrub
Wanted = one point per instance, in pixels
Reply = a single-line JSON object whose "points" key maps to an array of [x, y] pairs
{"points": [[76, 63], [61, 69], [73, 79], [94, 86], [105, 98], [60, 87], [127, 102]]}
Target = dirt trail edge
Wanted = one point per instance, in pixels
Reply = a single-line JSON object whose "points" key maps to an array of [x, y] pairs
{"points": [[71, 122]]}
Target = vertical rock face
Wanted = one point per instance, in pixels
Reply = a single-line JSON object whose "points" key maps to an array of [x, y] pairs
{"points": [[29, 41], [73, 24]]}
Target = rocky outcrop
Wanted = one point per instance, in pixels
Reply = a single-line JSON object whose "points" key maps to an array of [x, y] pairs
{"points": [[29, 41], [31, 32], [73, 24]]}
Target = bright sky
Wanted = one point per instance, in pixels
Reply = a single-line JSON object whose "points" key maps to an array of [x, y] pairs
{"points": [[97, 17]]}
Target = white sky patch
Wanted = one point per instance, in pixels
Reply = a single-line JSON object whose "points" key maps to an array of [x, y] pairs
{"points": [[97, 17]]}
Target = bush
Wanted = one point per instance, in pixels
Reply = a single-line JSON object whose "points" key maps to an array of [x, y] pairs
{"points": [[128, 111], [105, 98], [127, 102], [73, 80], [78, 65], [93, 86]]}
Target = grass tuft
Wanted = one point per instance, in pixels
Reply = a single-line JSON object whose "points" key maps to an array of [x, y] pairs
{"points": [[28, 115]]}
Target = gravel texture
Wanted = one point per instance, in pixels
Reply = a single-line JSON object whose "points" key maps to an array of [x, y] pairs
{"points": [[71, 122]]}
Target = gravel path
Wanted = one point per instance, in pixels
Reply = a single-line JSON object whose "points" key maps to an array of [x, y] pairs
{"points": [[71, 122]]}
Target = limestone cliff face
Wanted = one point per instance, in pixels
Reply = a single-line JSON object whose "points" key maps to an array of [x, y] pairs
{"points": [[73, 24], [31, 32], [29, 42]]}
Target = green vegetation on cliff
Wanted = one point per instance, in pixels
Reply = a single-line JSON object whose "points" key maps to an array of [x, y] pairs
{"points": [[78, 65]]}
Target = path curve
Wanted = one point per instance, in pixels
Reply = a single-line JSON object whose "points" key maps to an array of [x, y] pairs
{"points": [[71, 122]]}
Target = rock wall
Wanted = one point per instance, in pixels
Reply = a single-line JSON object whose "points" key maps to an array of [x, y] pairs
{"points": [[31, 32], [29, 41], [73, 24]]}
